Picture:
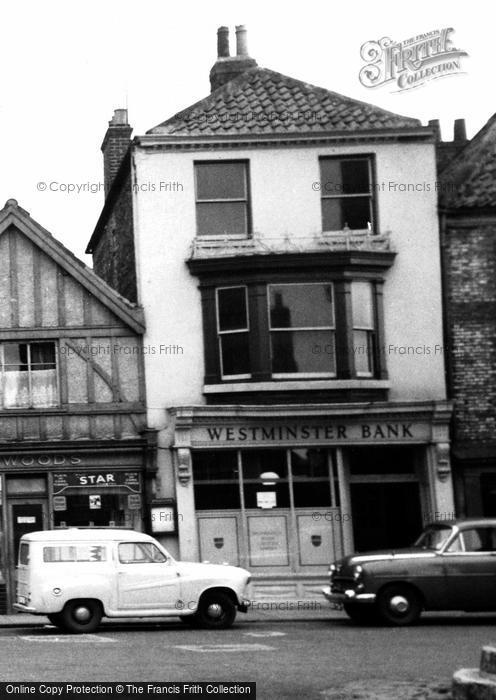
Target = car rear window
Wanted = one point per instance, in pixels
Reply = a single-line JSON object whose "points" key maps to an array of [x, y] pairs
{"points": [[24, 554], [80, 552]]}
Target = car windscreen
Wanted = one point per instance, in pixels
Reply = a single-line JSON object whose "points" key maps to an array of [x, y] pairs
{"points": [[434, 537]]}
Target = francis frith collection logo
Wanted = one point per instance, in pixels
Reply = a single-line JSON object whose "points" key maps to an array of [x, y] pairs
{"points": [[412, 62]]}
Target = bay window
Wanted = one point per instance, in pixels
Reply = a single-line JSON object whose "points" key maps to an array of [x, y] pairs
{"points": [[362, 303], [233, 332], [29, 375]]}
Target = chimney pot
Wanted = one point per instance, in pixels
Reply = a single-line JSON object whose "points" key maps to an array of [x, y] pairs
{"points": [[434, 123], [241, 40], [223, 42], [114, 146], [119, 118], [459, 131]]}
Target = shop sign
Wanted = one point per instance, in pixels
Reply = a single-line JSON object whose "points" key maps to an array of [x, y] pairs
{"points": [[330, 433], [95, 502], [133, 502], [40, 461], [104, 479]]}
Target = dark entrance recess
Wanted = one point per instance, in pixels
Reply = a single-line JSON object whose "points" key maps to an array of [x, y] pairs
{"points": [[385, 496], [26, 517]]}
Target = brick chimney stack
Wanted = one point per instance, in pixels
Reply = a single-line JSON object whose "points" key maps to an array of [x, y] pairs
{"points": [[114, 146], [228, 67]]}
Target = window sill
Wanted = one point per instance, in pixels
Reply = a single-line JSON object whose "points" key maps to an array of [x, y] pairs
{"points": [[303, 385]]}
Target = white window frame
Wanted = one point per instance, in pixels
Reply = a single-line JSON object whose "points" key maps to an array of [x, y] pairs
{"points": [[302, 375], [223, 200]]}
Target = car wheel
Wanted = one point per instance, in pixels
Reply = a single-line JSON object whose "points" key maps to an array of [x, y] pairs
{"points": [[399, 605], [216, 611], [361, 614], [190, 620], [79, 616]]}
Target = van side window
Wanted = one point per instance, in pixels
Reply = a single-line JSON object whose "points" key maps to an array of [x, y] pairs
{"points": [[140, 553], [65, 553], [24, 554]]}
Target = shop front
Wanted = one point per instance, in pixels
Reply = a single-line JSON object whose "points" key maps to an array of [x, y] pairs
{"points": [[286, 490], [80, 486]]}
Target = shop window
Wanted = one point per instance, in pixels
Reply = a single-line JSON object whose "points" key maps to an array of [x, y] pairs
{"points": [[29, 375], [108, 509], [233, 332], [222, 205], [265, 479], [301, 319], [311, 480], [346, 191], [362, 303], [216, 483]]}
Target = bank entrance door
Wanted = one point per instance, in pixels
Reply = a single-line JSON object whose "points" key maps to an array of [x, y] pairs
{"points": [[270, 510]]}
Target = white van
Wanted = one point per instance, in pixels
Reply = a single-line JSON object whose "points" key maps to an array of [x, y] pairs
{"points": [[77, 576]]}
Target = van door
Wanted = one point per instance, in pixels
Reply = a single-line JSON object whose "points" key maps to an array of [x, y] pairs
{"points": [[146, 580]]}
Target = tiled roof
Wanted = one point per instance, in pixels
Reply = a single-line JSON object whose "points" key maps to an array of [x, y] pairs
{"points": [[469, 181], [261, 101]]}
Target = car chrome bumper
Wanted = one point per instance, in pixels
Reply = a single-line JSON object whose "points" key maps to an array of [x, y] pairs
{"points": [[243, 605], [349, 596]]}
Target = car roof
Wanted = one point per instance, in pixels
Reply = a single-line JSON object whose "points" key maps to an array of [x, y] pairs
{"points": [[76, 534], [463, 523]]}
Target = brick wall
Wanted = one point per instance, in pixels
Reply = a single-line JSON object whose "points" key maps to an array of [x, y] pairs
{"points": [[470, 276], [113, 255]]}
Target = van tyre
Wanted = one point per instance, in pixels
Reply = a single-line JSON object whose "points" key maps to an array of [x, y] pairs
{"points": [[80, 616], [399, 605], [216, 611]]}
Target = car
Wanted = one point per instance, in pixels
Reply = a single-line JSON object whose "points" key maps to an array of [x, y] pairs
{"points": [[452, 566], [76, 576]]}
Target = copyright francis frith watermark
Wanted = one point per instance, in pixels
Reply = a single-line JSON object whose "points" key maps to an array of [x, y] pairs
{"points": [[412, 62]]}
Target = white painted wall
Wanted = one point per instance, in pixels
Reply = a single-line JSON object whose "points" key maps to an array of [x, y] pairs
{"points": [[283, 202]]}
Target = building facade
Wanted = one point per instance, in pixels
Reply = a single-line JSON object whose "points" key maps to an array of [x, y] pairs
{"points": [[292, 293], [74, 448], [468, 227]]}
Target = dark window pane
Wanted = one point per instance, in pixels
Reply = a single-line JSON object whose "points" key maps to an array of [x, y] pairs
{"points": [[303, 351], [258, 462], [311, 463], [221, 218], [301, 306], [16, 355], [235, 353], [354, 212], [42, 355], [280, 489], [309, 494], [216, 496], [344, 176], [220, 464], [232, 309], [220, 181], [383, 460]]}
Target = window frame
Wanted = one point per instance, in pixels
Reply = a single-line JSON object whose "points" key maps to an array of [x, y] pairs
{"points": [[371, 194], [29, 344], [371, 332], [270, 330], [246, 200], [220, 333]]}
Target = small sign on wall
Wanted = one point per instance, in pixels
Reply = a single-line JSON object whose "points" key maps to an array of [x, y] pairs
{"points": [[59, 503], [26, 519], [134, 502], [95, 502], [266, 499], [163, 517]]}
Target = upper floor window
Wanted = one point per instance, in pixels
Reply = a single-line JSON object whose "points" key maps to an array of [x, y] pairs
{"points": [[233, 332], [362, 303], [346, 190], [222, 205], [29, 375], [301, 323]]}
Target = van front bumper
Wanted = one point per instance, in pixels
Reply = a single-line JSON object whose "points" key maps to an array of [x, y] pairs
{"points": [[26, 609]]}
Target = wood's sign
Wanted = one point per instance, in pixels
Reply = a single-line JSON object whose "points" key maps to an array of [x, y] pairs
{"points": [[327, 433], [126, 481]]}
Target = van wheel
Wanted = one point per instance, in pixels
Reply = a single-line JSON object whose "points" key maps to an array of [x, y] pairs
{"points": [[79, 616], [216, 611], [399, 605]]}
